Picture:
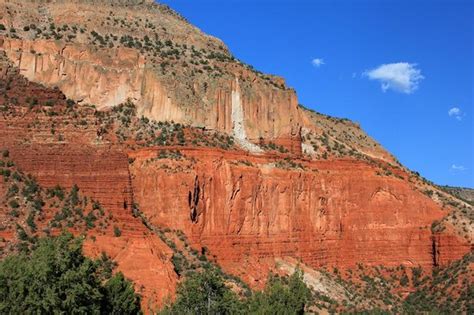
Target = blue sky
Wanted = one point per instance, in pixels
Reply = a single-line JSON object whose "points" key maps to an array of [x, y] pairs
{"points": [[403, 69]]}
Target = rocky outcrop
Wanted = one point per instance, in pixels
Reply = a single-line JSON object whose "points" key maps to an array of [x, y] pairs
{"points": [[102, 174], [448, 246], [331, 135], [463, 193], [330, 196], [62, 149], [169, 68], [142, 258], [331, 213], [248, 210], [88, 75], [107, 78]]}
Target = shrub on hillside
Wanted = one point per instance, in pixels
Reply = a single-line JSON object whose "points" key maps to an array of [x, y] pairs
{"points": [[57, 278], [207, 293]]}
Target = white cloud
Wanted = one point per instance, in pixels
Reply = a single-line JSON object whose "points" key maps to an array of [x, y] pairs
{"points": [[460, 168], [402, 77], [317, 62], [456, 112]]}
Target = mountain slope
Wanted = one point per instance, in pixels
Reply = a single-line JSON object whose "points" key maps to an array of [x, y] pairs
{"points": [[114, 51], [217, 156]]}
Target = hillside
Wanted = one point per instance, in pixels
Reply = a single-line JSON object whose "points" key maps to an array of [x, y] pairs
{"points": [[466, 194], [171, 70], [183, 156]]}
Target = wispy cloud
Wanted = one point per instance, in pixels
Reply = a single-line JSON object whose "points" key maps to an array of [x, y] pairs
{"points": [[458, 168], [402, 77], [317, 62], [456, 112]]}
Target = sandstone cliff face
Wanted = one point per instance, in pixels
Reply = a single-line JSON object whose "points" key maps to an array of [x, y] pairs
{"points": [[332, 213], [107, 78], [82, 73], [134, 49], [57, 150], [171, 70], [332, 200], [102, 174], [447, 245], [249, 210]]}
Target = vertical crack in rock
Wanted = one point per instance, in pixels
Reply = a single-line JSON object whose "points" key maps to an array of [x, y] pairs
{"points": [[193, 200], [434, 251], [231, 203], [236, 189], [134, 208], [238, 127]]}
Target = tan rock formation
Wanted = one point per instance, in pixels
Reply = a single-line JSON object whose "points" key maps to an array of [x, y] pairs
{"points": [[88, 59]]}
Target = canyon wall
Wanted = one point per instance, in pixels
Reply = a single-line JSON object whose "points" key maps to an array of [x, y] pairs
{"points": [[332, 213], [102, 174], [109, 77], [99, 170], [245, 209]]}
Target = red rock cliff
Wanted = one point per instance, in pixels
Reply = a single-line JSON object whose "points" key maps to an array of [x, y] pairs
{"points": [[331, 213], [247, 209]]}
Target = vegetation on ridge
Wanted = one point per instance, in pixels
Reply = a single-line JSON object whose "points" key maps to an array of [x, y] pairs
{"points": [[56, 277], [207, 293], [33, 212], [399, 290]]}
